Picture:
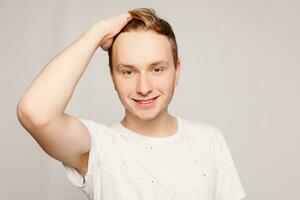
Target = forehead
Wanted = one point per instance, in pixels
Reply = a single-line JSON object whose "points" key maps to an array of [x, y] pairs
{"points": [[141, 48]]}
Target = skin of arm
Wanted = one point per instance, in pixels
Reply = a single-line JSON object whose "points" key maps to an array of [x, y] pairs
{"points": [[41, 110], [48, 95]]}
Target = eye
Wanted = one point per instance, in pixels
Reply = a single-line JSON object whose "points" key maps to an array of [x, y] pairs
{"points": [[127, 72], [158, 69]]}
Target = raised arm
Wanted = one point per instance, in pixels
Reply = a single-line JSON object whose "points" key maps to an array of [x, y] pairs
{"points": [[41, 110]]}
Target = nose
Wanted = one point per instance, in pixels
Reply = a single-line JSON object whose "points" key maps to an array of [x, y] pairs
{"points": [[144, 85]]}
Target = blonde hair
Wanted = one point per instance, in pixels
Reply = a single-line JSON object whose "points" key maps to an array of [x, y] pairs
{"points": [[145, 19]]}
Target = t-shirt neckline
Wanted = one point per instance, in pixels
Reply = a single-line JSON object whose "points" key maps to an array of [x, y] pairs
{"points": [[151, 139]]}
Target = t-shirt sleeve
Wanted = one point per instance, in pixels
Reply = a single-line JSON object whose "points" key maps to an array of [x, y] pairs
{"points": [[228, 183], [86, 183]]}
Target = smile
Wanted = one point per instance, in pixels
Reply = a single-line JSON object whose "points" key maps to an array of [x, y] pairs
{"points": [[147, 102]]}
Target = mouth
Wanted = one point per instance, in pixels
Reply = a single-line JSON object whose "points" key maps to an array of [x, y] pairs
{"points": [[146, 101]]}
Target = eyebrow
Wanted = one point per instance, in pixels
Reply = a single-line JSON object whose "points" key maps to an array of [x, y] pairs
{"points": [[149, 65]]}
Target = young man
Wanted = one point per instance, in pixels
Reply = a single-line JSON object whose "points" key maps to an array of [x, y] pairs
{"points": [[149, 154]]}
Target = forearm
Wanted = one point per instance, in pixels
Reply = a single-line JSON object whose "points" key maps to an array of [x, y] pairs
{"points": [[50, 92]]}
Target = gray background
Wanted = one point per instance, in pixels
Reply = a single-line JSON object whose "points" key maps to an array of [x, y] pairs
{"points": [[240, 73]]}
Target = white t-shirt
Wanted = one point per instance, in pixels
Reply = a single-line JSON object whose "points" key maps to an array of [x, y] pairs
{"points": [[193, 164]]}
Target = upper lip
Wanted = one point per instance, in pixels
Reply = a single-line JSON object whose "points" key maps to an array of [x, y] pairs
{"points": [[145, 99]]}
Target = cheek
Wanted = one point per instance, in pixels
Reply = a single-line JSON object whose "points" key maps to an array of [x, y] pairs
{"points": [[124, 87], [165, 84]]}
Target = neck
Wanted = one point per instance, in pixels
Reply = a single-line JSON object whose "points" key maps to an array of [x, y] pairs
{"points": [[161, 126]]}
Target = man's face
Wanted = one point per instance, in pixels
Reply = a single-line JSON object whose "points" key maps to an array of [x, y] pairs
{"points": [[143, 69]]}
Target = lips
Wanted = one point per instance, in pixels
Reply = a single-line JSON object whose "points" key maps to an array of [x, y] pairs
{"points": [[146, 100]]}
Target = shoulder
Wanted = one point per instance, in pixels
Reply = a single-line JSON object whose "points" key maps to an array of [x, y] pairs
{"points": [[200, 127], [203, 132], [97, 129]]}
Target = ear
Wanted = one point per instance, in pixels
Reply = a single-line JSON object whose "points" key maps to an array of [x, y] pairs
{"points": [[177, 72]]}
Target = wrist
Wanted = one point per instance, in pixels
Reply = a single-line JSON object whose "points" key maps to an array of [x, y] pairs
{"points": [[99, 29], [98, 32]]}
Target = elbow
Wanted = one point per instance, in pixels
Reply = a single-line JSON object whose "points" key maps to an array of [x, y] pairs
{"points": [[28, 116]]}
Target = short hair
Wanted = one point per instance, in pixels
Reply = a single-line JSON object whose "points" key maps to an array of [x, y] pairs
{"points": [[146, 19]]}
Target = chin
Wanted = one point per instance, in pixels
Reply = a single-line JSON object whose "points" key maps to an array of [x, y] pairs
{"points": [[145, 116]]}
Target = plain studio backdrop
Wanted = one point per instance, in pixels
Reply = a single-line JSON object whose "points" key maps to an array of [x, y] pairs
{"points": [[240, 72]]}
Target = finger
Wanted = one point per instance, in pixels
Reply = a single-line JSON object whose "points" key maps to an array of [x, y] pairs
{"points": [[129, 17]]}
